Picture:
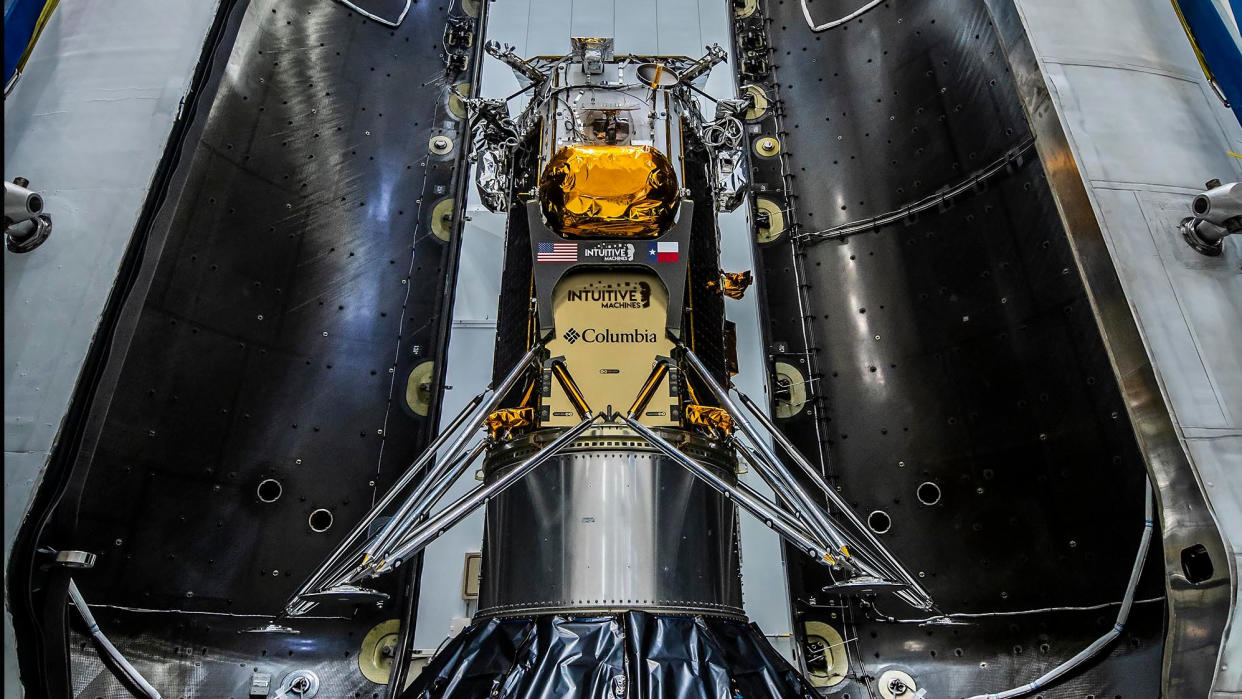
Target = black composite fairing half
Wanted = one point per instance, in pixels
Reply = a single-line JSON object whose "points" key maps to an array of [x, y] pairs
{"points": [[281, 318]]}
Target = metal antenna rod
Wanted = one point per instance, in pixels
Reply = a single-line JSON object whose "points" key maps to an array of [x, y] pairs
{"points": [[790, 521], [828, 490], [784, 500], [445, 519], [427, 499], [766, 451], [776, 470], [792, 491], [473, 413], [385, 535]]}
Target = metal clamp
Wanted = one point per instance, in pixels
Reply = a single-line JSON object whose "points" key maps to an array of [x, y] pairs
{"points": [[1217, 214], [302, 684]]}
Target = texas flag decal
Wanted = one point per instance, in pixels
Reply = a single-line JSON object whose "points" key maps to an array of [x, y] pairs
{"points": [[662, 252]]}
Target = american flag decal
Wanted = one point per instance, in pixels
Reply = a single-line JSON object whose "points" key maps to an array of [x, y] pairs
{"points": [[556, 252]]}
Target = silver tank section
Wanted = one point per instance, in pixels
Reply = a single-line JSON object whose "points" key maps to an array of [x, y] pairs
{"points": [[611, 524]]}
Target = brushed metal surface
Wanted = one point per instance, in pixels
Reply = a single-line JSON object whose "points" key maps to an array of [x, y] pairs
{"points": [[1112, 123], [610, 528], [87, 124]]}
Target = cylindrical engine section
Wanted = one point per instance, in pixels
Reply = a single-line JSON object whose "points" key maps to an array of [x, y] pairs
{"points": [[611, 524]]}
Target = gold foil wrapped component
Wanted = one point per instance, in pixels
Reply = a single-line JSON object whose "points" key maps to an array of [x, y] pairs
{"points": [[732, 284], [710, 417], [606, 191], [503, 422]]}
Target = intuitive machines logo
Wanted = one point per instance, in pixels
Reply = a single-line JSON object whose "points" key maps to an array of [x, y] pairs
{"points": [[638, 296], [608, 252]]}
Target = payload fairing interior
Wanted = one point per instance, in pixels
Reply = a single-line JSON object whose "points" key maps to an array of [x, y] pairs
{"points": [[926, 442]]}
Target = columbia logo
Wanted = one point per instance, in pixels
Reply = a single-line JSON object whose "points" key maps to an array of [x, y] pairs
{"points": [[571, 336]]}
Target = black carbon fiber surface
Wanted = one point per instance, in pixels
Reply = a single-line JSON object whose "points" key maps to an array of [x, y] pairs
{"points": [[955, 346]]}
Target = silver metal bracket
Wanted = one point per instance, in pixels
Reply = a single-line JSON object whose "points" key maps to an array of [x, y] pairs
{"points": [[76, 559], [1217, 214]]}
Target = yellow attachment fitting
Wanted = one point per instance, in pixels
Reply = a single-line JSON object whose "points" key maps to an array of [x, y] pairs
{"points": [[503, 422], [710, 417], [828, 557], [734, 284], [845, 551]]}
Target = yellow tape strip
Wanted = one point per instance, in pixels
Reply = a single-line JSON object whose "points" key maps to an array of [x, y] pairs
{"points": [[1193, 44], [44, 16]]}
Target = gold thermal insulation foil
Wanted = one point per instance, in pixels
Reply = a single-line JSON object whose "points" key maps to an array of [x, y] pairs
{"points": [[592, 191]]}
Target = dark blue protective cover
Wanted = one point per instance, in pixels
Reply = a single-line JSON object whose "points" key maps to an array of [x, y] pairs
{"points": [[1219, 48], [632, 655], [20, 17]]}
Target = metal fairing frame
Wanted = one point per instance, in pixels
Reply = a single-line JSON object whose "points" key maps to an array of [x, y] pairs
{"points": [[287, 280], [976, 344], [1197, 612]]}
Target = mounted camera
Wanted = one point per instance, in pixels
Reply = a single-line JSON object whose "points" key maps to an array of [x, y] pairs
{"points": [[25, 224]]}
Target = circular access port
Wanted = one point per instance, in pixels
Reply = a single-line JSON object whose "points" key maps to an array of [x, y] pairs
{"points": [[1201, 205], [928, 493], [269, 490], [879, 521], [320, 520]]}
